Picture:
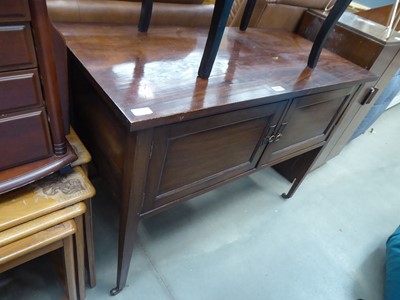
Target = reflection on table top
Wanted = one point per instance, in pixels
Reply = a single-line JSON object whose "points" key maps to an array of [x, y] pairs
{"points": [[151, 78]]}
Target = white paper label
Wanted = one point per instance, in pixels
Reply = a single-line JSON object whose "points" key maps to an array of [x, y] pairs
{"points": [[278, 88], [141, 111]]}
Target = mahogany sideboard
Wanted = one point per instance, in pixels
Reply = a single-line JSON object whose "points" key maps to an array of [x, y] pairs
{"points": [[32, 131], [160, 135]]}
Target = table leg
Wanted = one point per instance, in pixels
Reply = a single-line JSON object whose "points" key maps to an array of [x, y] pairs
{"points": [[89, 244], [134, 179], [80, 254], [220, 16], [127, 236], [331, 20], [296, 169], [69, 263]]}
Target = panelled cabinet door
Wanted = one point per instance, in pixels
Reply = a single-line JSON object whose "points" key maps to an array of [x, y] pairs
{"points": [[197, 154], [307, 123]]}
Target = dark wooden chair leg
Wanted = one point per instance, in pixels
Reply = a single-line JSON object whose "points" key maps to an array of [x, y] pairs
{"points": [[145, 15], [336, 12], [248, 11], [218, 22]]}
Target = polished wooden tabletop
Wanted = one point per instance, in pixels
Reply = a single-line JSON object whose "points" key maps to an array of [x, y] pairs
{"points": [[150, 79]]}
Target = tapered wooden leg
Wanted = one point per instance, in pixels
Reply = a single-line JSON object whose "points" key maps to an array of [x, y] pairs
{"points": [[330, 21], [145, 15], [220, 16], [295, 185], [127, 236], [134, 179], [89, 244], [295, 169], [69, 262], [80, 257], [248, 11]]}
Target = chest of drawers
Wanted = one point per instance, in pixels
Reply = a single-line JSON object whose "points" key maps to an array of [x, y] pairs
{"points": [[32, 133]]}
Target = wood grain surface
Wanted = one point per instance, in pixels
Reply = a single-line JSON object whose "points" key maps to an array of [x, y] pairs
{"points": [[158, 70]]}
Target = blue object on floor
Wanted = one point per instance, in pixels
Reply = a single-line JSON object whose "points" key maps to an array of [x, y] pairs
{"points": [[392, 282]]}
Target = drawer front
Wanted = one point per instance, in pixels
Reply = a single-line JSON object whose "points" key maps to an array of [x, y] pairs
{"points": [[192, 156], [19, 89], [16, 47], [23, 138], [14, 10]]}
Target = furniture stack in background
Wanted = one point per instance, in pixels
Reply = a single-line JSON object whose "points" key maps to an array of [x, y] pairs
{"points": [[54, 212], [31, 89]]}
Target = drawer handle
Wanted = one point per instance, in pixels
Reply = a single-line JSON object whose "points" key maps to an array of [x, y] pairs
{"points": [[370, 95], [271, 138], [278, 137], [267, 137], [281, 129]]}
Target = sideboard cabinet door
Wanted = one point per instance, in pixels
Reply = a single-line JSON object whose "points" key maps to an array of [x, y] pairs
{"points": [[307, 123], [192, 156]]}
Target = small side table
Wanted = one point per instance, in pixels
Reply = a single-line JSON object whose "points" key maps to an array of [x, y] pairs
{"points": [[84, 158]]}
